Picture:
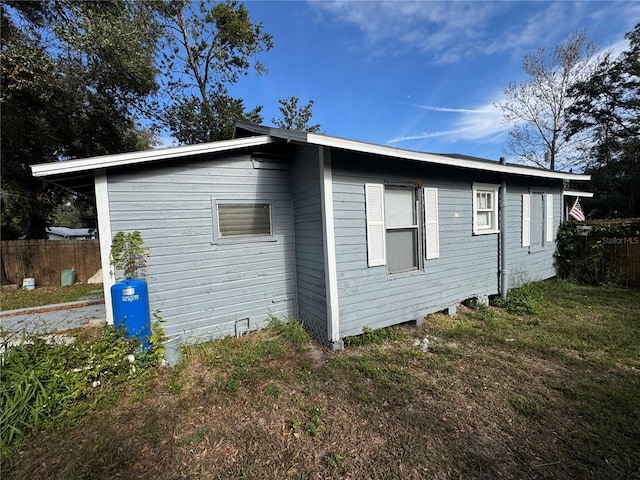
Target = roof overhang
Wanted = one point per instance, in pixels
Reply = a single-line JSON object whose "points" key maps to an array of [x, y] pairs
{"points": [[577, 193], [124, 159], [78, 175], [432, 158]]}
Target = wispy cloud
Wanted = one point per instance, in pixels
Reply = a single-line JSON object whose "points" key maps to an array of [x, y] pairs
{"points": [[480, 124], [449, 32], [451, 110]]}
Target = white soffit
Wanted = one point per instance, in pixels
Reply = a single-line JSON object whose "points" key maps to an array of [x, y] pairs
{"points": [[117, 160], [576, 193]]}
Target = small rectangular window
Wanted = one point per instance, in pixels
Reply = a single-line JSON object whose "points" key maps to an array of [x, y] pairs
{"points": [[242, 220], [485, 208]]}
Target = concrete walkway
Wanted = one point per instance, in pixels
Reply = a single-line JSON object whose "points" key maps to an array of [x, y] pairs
{"points": [[54, 318]]}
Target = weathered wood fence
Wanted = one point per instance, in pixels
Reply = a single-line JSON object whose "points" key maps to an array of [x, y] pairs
{"points": [[45, 260]]}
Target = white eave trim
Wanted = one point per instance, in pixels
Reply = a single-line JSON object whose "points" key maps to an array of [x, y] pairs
{"points": [[438, 159], [108, 161], [576, 193]]}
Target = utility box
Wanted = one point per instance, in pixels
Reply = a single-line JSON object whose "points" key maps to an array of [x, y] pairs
{"points": [[130, 302], [67, 278]]}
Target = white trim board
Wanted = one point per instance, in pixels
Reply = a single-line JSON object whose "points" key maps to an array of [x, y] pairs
{"points": [[104, 229]]}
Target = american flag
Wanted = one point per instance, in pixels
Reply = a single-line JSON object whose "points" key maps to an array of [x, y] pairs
{"points": [[576, 212]]}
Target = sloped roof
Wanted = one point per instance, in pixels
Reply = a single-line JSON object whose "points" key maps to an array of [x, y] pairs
{"points": [[78, 174]]}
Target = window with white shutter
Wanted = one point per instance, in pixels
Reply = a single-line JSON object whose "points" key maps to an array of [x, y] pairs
{"points": [[526, 220], [376, 248], [431, 226], [549, 223]]}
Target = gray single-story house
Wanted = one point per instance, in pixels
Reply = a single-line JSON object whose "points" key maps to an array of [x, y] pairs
{"points": [[339, 233]]}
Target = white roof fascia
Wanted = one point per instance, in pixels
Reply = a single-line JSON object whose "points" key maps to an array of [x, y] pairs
{"points": [[438, 159], [577, 193], [117, 160]]}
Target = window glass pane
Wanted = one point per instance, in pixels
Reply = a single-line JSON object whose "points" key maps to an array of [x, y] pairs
{"points": [[399, 207], [484, 220], [402, 250], [244, 220]]}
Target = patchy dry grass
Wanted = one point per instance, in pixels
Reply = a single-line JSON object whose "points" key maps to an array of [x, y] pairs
{"points": [[550, 396], [15, 299]]}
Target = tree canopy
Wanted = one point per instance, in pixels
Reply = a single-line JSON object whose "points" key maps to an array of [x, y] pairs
{"points": [[208, 47], [81, 79], [70, 73], [295, 117], [606, 106], [536, 108]]}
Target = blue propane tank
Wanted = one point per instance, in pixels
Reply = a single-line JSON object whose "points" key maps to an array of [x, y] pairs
{"points": [[130, 302]]}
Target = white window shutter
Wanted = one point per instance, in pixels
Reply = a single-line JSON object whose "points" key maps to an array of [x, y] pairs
{"points": [[549, 223], [376, 247], [431, 225], [526, 220]]}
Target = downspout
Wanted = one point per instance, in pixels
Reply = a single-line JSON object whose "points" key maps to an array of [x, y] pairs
{"points": [[502, 208]]}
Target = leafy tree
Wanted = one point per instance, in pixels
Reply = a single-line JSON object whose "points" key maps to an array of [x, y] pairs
{"points": [[71, 72], [295, 117], [209, 48], [606, 106], [537, 107]]}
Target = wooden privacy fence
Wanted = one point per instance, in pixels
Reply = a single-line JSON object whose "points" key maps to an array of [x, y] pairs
{"points": [[45, 260]]}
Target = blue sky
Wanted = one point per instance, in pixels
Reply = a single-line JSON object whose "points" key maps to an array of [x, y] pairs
{"points": [[415, 75]]}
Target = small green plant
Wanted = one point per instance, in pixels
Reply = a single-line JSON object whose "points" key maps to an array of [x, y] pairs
{"points": [[524, 300], [129, 255], [290, 331], [314, 424], [157, 339], [334, 460]]}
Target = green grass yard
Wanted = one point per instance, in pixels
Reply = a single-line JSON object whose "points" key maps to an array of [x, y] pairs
{"points": [[552, 395], [17, 299]]}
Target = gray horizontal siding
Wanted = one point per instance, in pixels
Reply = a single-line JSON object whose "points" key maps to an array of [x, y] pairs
{"points": [[309, 243], [525, 264], [370, 297], [202, 289]]}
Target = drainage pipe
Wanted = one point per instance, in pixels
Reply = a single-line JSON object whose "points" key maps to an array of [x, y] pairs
{"points": [[502, 209]]}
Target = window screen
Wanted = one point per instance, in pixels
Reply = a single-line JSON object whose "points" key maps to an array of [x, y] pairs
{"points": [[241, 220]]}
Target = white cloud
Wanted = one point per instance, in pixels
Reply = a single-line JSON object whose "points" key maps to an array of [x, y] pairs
{"points": [[450, 32], [480, 124]]}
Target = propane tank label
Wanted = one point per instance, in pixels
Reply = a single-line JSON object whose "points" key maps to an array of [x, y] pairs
{"points": [[129, 295]]}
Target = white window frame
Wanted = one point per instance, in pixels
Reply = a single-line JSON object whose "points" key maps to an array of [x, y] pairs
{"points": [[415, 227], [219, 239], [427, 224], [494, 190]]}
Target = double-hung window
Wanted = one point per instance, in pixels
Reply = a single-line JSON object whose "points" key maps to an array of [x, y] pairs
{"points": [[485, 208], [401, 220], [402, 226]]}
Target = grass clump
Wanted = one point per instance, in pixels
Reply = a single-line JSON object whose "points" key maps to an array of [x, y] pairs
{"points": [[291, 331]]}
